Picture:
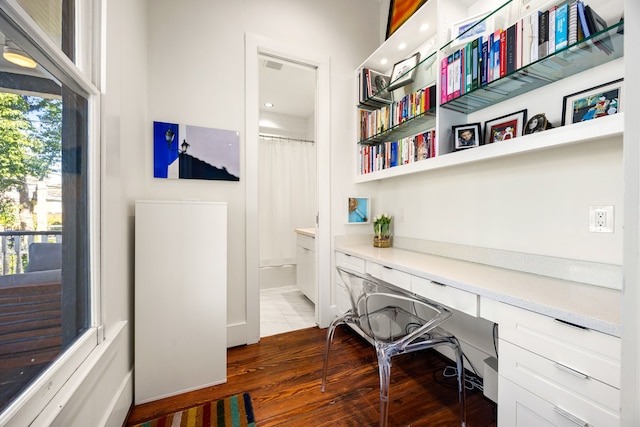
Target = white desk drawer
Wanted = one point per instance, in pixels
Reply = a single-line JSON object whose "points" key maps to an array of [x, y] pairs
{"points": [[390, 275], [521, 408], [552, 381], [592, 353], [457, 299], [351, 262]]}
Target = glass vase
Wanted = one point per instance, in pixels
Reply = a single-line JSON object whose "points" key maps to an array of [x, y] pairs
{"points": [[382, 235]]}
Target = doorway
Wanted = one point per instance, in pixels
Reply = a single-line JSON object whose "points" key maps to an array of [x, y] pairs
{"points": [[256, 45], [286, 192]]}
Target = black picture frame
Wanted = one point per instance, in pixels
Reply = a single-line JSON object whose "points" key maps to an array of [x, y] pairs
{"points": [[404, 71], [466, 136], [588, 104], [505, 127]]}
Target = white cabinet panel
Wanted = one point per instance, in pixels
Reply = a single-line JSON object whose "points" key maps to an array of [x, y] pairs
{"points": [[457, 299], [521, 408], [592, 353], [180, 297], [349, 261], [390, 275], [306, 266], [556, 382]]}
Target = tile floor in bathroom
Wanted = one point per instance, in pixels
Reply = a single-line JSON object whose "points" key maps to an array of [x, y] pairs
{"points": [[284, 309]]}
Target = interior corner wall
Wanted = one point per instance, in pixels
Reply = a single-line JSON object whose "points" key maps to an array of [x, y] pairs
{"points": [[532, 203], [196, 76]]}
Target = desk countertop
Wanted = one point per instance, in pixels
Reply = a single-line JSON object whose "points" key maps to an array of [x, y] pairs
{"points": [[590, 306]]}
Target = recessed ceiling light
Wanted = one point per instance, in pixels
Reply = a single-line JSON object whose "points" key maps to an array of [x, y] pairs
{"points": [[18, 57], [424, 27], [384, 61], [402, 46], [268, 105]]}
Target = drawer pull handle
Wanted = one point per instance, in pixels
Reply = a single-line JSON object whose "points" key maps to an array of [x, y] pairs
{"points": [[570, 417], [388, 268], [438, 283], [564, 322], [571, 371]]}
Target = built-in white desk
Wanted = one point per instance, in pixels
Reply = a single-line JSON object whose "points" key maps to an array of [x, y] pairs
{"points": [[559, 340], [593, 307]]}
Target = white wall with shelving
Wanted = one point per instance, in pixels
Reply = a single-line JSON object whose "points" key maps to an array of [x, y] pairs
{"points": [[532, 198]]}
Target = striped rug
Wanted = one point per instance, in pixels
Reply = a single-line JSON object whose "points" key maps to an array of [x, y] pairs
{"points": [[234, 411]]}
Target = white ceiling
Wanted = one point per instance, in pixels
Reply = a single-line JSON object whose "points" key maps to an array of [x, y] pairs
{"points": [[291, 89]]}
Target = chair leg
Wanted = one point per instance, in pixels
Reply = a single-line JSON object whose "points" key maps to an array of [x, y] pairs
{"points": [[461, 381], [384, 367], [327, 346]]}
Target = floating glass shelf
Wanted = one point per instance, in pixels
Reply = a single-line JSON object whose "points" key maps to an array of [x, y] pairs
{"points": [[595, 50], [407, 128]]}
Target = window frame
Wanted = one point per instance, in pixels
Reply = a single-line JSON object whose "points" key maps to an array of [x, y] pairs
{"points": [[21, 27]]}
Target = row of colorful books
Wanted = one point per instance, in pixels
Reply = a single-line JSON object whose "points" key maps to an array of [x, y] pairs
{"points": [[389, 154], [504, 51], [408, 107]]}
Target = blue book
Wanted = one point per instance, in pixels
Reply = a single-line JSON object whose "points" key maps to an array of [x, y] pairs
{"points": [[394, 153], [583, 19], [562, 21]]}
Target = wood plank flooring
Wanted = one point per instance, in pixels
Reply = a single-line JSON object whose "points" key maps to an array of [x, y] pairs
{"points": [[282, 373]]}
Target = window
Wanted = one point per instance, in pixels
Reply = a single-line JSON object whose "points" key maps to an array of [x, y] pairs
{"points": [[47, 194]]}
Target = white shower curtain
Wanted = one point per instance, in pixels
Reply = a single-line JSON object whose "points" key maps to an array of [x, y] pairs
{"points": [[287, 197]]}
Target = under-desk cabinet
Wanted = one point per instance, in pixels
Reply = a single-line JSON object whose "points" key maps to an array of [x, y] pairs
{"points": [[552, 373]]}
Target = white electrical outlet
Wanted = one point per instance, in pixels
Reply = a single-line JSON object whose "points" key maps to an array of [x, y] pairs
{"points": [[400, 214], [601, 219]]}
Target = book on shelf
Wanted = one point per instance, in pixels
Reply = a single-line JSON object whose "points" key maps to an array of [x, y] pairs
{"points": [[562, 26], [551, 47], [596, 24], [543, 34]]}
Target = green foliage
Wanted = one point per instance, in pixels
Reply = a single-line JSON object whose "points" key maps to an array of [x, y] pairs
{"points": [[9, 213], [30, 146]]}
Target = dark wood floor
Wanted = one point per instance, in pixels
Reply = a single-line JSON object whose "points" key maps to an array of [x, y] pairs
{"points": [[282, 373]]}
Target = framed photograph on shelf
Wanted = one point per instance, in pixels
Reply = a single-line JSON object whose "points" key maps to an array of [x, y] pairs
{"points": [[481, 27], [358, 210], [505, 127], [378, 88], [537, 123], [466, 136], [599, 101], [404, 72], [399, 12]]}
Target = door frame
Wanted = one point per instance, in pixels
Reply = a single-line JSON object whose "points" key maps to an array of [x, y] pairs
{"points": [[254, 46]]}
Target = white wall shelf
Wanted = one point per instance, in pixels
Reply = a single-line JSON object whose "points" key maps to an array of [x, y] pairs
{"points": [[577, 133]]}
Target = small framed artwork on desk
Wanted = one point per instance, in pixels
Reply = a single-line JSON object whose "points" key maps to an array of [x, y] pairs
{"points": [[358, 210], [466, 136]]}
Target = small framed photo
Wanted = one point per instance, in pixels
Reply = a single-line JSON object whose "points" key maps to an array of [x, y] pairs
{"points": [[358, 210], [404, 72], [537, 123], [471, 28], [505, 127], [599, 101], [466, 136]]}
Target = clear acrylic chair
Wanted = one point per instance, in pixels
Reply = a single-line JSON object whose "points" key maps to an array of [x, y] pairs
{"points": [[395, 322]]}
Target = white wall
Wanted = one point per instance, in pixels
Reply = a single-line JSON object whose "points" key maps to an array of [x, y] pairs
{"points": [[196, 76]]}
